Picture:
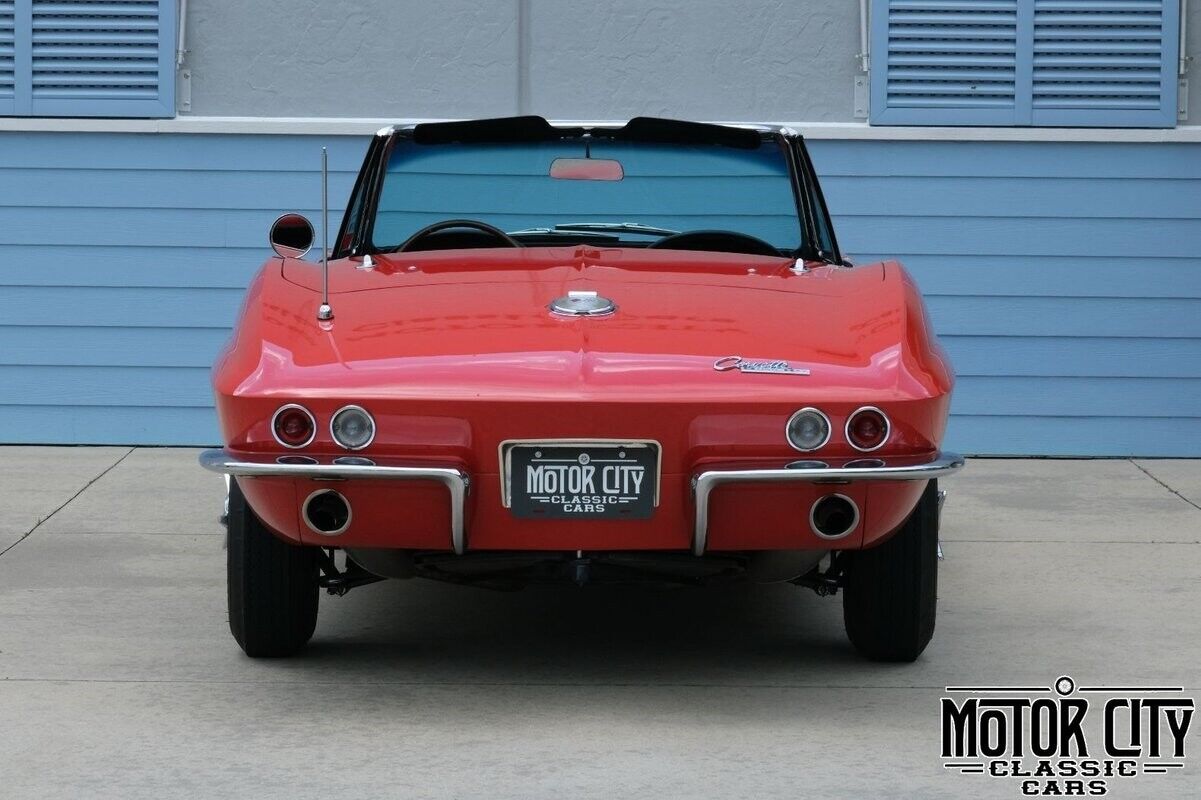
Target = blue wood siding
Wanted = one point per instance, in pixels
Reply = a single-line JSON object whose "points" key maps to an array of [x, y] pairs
{"points": [[1064, 279]]}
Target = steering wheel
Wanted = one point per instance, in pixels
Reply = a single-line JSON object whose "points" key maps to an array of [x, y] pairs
{"points": [[503, 239], [721, 241]]}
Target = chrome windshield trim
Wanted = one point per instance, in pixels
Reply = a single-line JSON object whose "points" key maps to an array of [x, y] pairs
{"points": [[456, 481], [703, 483], [600, 123]]}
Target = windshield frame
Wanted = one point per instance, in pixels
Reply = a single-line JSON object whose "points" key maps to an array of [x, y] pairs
{"points": [[358, 223]]}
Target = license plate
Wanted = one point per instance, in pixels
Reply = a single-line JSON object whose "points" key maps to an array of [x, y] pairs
{"points": [[573, 481]]}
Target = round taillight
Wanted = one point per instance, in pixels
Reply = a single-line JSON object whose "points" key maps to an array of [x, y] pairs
{"points": [[293, 426], [808, 429], [867, 429], [352, 427]]}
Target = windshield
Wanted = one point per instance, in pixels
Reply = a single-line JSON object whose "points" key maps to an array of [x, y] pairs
{"points": [[634, 193]]}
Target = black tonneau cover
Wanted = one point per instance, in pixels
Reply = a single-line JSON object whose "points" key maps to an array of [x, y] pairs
{"points": [[537, 129]]}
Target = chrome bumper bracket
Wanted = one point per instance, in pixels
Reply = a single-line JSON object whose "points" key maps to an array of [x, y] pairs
{"points": [[704, 483], [456, 481]]}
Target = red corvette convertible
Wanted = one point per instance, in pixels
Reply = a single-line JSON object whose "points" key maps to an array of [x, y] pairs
{"points": [[585, 353]]}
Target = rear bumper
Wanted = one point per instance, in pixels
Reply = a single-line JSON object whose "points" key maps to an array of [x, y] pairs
{"points": [[704, 483], [457, 482]]}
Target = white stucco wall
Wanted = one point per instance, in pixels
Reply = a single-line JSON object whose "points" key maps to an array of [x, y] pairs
{"points": [[560, 58], [707, 59]]}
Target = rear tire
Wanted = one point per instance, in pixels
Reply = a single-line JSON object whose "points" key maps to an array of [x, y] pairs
{"points": [[272, 585], [891, 591]]}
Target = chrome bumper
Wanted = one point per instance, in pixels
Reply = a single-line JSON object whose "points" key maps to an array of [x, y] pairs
{"points": [[455, 481], [704, 483]]}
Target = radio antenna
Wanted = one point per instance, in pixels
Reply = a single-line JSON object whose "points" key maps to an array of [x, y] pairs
{"points": [[325, 312]]}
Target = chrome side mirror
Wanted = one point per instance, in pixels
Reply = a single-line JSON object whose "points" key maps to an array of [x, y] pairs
{"points": [[291, 236]]}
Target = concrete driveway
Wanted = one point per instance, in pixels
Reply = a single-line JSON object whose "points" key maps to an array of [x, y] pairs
{"points": [[118, 676]]}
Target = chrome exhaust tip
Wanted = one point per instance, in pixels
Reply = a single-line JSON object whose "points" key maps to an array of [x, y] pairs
{"points": [[833, 516], [326, 512]]}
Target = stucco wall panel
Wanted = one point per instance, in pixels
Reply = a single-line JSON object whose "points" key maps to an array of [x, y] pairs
{"points": [[710, 59], [297, 58]]}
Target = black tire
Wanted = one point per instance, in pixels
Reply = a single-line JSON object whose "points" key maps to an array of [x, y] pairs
{"points": [[891, 591], [272, 585]]}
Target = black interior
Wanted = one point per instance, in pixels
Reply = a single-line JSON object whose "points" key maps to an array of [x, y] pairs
{"points": [[468, 234], [716, 241], [456, 234]]}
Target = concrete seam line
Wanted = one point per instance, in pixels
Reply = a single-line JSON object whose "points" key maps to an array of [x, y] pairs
{"points": [[69, 500], [1164, 485]]}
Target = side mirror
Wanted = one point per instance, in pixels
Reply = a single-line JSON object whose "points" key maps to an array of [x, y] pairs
{"points": [[291, 236]]}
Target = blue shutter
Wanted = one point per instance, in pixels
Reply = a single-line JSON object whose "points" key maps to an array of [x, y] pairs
{"points": [[93, 58], [1024, 62], [8, 60], [944, 62], [1105, 62]]}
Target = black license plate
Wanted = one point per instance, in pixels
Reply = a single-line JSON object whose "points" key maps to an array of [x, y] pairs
{"points": [[573, 481]]}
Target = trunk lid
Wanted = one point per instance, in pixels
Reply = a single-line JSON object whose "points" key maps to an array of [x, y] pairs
{"points": [[464, 324]]}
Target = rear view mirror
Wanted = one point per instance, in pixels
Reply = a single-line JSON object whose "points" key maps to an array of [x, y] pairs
{"points": [[291, 236], [586, 169]]}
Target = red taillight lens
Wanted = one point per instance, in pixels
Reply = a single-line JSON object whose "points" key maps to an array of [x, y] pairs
{"points": [[867, 429], [293, 426]]}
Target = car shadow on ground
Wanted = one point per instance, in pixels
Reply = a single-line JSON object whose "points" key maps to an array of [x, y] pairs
{"points": [[423, 631]]}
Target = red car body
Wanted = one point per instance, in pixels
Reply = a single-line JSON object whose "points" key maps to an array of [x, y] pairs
{"points": [[453, 356], [590, 401]]}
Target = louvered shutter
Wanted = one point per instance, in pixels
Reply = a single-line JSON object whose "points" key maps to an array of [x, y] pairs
{"points": [[93, 58], [1105, 62], [7, 57], [1024, 62], [944, 62]]}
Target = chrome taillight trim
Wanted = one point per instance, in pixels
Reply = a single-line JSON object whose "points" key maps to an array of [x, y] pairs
{"points": [[312, 421], [824, 442], [296, 460], [370, 419], [354, 461], [846, 429]]}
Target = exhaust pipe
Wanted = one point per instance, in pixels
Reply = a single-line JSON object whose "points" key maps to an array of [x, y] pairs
{"points": [[777, 566], [833, 516], [387, 563], [326, 512]]}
